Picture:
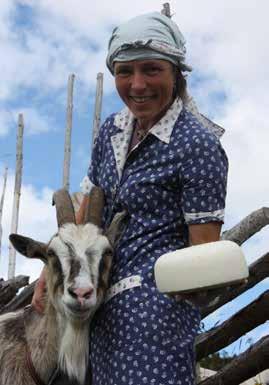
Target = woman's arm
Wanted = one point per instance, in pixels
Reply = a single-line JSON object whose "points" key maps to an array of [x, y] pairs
{"points": [[39, 293], [203, 233]]}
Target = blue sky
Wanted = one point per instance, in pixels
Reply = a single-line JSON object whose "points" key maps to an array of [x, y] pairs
{"points": [[43, 42]]}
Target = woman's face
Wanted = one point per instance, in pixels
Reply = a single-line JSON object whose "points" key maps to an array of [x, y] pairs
{"points": [[146, 87]]}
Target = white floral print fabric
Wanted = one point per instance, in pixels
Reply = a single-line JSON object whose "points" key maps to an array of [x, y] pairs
{"points": [[176, 176]]}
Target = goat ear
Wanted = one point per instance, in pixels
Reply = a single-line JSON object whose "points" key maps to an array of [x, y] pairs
{"points": [[29, 247]]}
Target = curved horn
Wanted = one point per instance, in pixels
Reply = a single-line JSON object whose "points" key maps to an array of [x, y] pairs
{"points": [[95, 208], [117, 227], [64, 207]]}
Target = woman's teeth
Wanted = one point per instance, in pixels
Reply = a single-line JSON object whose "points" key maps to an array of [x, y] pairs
{"points": [[141, 99]]}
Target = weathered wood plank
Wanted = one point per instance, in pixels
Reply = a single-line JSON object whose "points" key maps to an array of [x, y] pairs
{"points": [[9, 288], [249, 226], [17, 195], [68, 132], [253, 361], [248, 318], [1, 208], [21, 300], [97, 106], [258, 271], [166, 10]]}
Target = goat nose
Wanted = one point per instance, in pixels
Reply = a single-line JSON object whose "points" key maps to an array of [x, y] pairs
{"points": [[84, 292], [81, 294]]}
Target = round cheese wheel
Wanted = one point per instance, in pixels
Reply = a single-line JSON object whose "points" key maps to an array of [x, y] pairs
{"points": [[199, 267]]}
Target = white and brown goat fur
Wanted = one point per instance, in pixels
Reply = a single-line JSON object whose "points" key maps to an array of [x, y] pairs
{"points": [[78, 260]]}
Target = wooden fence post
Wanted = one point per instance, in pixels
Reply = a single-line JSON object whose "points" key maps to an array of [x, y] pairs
{"points": [[166, 10], [68, 133], [17, 194], [1, 208], [98, 106]]}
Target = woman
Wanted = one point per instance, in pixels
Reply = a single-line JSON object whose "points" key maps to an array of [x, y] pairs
{"points": [[157, 160]]}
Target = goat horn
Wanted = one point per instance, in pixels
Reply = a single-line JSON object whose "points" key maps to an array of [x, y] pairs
{"points": [[95, 208], [117, 227], [64, 207]]}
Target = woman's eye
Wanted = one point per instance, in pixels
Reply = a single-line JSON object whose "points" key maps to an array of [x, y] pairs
{"points": [[152, 70], [123, 72]]}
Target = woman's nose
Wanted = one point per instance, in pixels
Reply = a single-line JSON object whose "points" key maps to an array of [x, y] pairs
{"points": [[138, 82]]}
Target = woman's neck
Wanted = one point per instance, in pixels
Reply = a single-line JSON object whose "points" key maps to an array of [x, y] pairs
{"points": [[147, 124]]}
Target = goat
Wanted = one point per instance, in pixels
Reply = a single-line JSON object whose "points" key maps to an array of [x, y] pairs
{"points": [[78, 260]]}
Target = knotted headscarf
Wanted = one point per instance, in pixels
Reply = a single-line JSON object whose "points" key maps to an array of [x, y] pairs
{"points": [[154, 36], [149, 36]]}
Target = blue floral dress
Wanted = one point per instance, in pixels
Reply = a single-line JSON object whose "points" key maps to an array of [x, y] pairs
{"points": [[176, 176]]}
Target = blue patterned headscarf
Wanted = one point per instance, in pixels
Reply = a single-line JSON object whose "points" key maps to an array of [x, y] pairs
{"points": [[149, 36]]}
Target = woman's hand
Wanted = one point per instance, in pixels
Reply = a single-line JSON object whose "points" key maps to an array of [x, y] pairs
{"points": [[38, 300], [198, 234], [200, 299]]}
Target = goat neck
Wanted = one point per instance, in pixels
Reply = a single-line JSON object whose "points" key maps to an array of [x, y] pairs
{"points": [[42, 339]]}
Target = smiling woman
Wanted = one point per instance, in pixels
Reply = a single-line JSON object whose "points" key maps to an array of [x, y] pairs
{"points": [[156, 160], [146, 87]]}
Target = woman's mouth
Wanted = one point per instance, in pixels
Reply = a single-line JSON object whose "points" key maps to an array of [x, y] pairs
{"points": [[141, 99]]}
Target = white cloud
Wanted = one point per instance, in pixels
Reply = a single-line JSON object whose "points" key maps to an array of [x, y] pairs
{"points": [[6, 119], [34, 121], [224, 40], [7, 7]]}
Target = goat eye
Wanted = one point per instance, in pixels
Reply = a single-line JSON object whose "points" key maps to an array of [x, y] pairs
{"points": [[56, 264], [54, 260], [50, 253]]}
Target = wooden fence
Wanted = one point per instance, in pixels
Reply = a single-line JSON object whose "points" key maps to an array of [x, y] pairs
{"points": [[255, 359]]}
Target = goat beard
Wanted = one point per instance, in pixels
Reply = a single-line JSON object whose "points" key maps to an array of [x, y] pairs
{"points": [[74, 350]]}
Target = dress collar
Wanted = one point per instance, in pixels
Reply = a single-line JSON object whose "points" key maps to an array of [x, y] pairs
{"points": [[124, 120]]}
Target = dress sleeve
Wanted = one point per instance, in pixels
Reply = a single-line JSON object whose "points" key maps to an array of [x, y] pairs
{"points": [[204, 181]]}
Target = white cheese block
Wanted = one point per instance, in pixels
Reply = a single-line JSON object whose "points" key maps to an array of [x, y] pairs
{"points": [[204, 266]]}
